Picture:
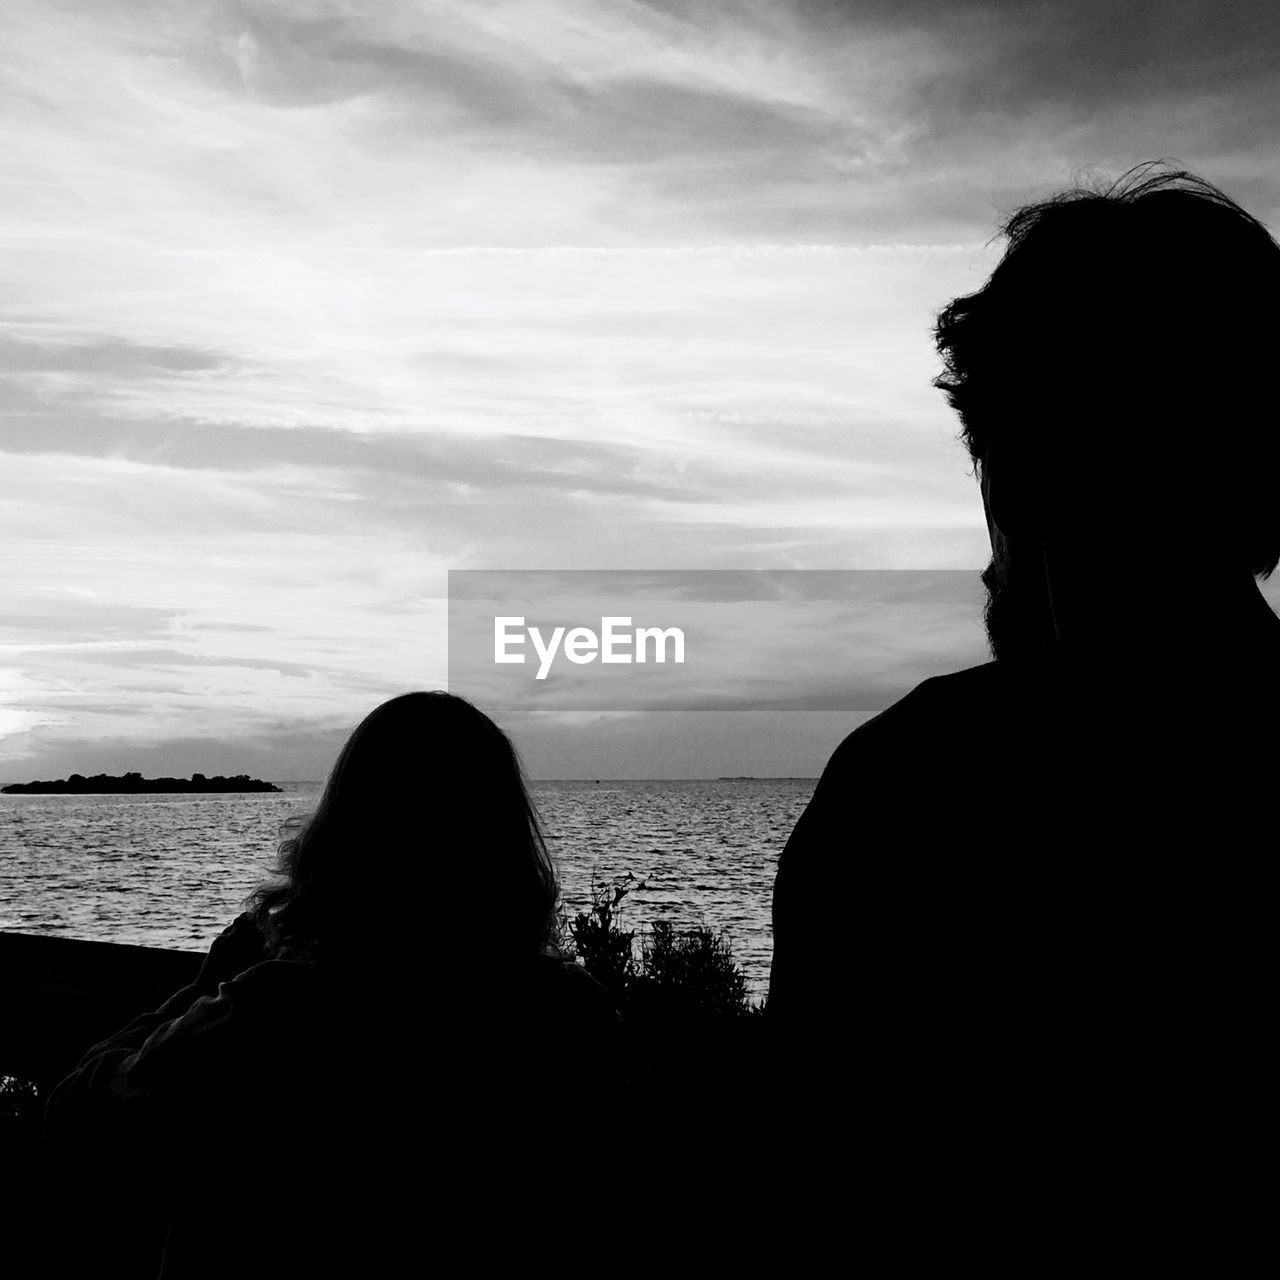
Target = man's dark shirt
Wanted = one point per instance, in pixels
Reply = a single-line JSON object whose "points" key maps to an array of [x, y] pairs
{"points": [[1025, 925]]}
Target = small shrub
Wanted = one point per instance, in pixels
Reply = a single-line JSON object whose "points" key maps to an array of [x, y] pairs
{"points": [[696, 967], [607, 950], [19, 1098], [684, 972]]}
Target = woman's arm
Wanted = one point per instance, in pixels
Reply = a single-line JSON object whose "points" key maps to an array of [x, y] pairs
{"points": [[238, 947], [154, 1101]]}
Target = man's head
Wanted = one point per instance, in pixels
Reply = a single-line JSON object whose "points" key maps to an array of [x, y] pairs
{"points": [[1113, 384]]}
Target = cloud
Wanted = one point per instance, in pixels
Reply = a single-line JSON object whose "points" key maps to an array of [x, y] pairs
{"points": [[164, 659], [68, 618], [1025, 96], [104, 358]]}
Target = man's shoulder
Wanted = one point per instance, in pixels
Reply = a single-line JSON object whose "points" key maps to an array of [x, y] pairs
{"points": [[934, 713], [956, 693]]}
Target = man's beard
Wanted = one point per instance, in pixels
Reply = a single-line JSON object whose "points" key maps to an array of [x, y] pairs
{"points": [[1017, 615]]}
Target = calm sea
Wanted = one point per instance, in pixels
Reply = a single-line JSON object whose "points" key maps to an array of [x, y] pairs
{"points": [[171, 871]]}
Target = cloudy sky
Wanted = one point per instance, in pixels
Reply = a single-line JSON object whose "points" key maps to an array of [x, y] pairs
{"points": [[305, 304]]}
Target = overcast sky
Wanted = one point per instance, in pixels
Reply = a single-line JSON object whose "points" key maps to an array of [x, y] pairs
{"points": [[305, 304]]}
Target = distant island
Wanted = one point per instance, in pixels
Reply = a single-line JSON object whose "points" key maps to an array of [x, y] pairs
{"points": [[136, 784]]}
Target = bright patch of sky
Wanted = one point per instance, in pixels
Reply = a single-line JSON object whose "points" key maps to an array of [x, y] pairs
{"points": [[304, 304]]}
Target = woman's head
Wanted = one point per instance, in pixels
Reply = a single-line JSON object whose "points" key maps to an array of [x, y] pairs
{"points": [[424, 835]]}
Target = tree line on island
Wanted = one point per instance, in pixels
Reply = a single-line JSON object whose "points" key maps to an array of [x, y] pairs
{"points": [[135, 783]]}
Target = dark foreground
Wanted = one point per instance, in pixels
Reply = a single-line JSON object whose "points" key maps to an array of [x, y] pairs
{"points": [[694, 1079]]}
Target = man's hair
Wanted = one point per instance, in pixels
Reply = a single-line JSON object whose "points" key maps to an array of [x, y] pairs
{"points": [[1132, 329]]}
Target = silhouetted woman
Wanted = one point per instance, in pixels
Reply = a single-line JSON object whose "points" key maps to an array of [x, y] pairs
{"points": [[385, 1051]]}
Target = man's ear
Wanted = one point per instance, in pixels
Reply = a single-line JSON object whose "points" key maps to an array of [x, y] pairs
{"points": [[1012, 486]]}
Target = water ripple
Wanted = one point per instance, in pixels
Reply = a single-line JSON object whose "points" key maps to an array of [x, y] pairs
{"points": [[172, 871]]}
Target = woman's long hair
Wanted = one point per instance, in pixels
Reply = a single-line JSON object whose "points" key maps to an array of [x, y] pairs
{"points": [[424, 838]]}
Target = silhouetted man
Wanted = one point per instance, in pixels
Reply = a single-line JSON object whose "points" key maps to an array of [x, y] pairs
{"points": [[1023, 931]]}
